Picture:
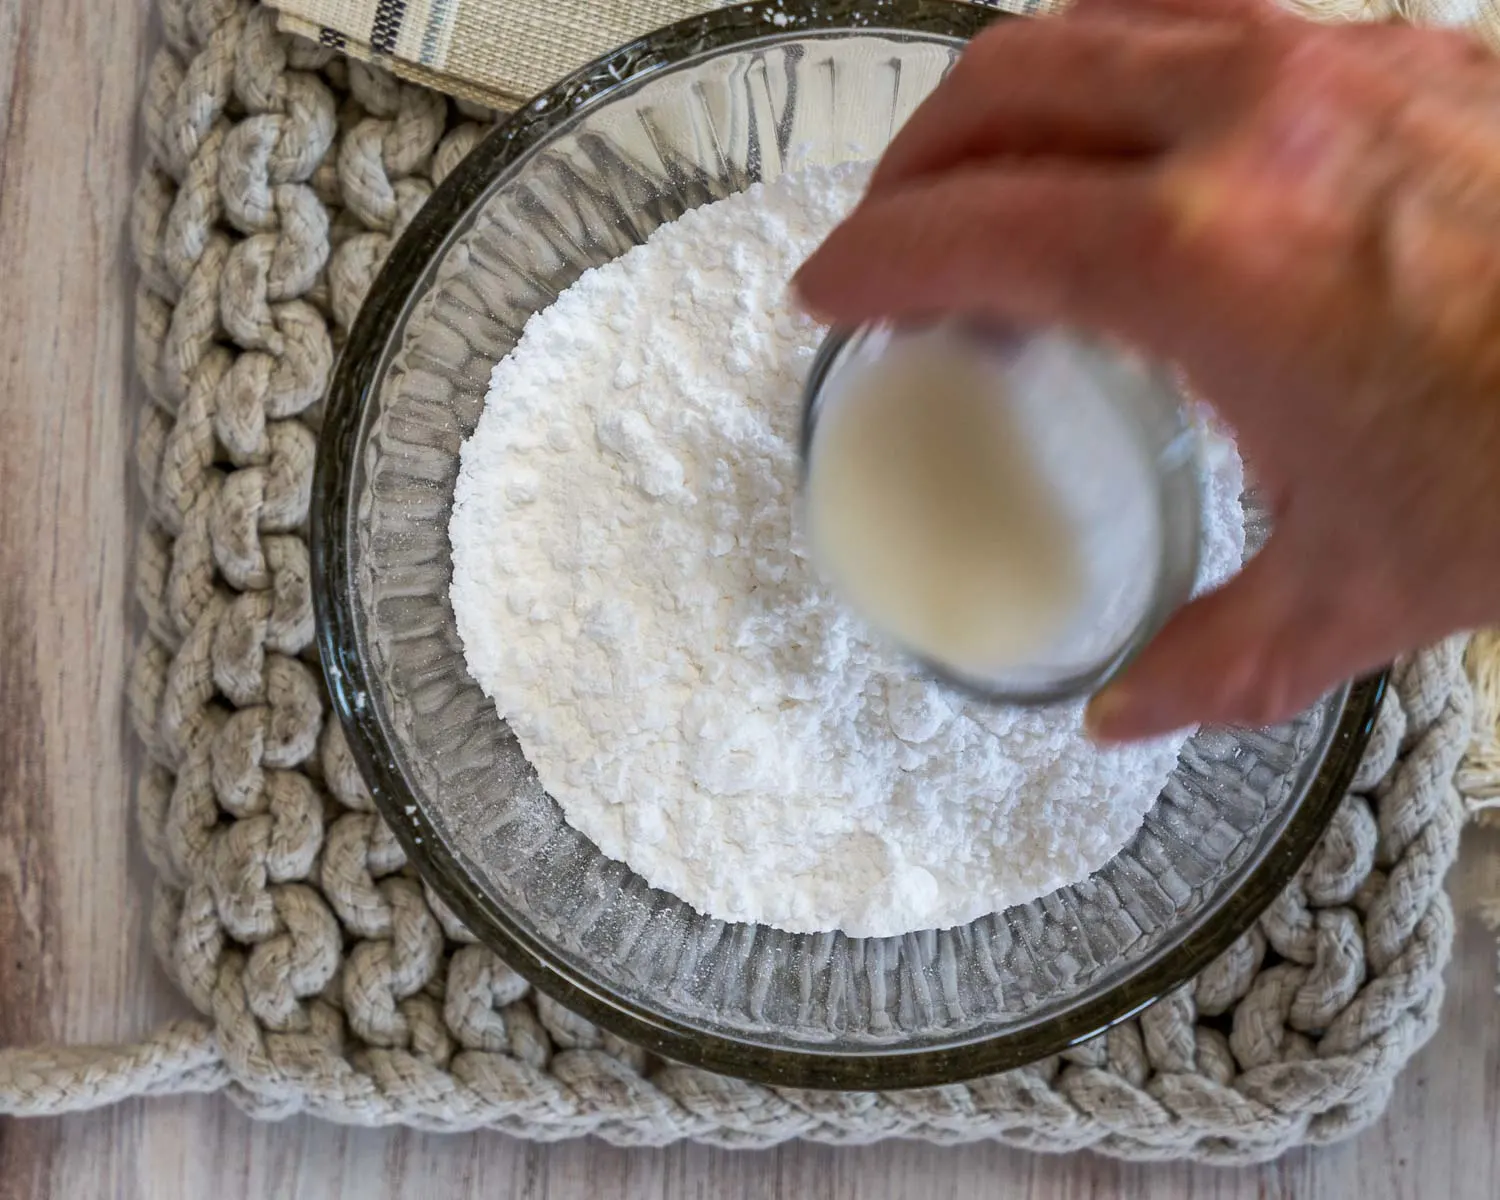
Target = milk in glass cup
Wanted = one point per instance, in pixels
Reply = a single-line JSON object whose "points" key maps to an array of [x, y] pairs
{"points": [[1018, 510]]}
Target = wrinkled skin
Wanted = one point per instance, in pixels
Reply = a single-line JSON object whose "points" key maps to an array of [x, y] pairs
{"points": [[1306, 220]]}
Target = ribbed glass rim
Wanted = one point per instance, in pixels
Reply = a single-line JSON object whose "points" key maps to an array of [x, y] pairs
{"points": [[340, 636]]}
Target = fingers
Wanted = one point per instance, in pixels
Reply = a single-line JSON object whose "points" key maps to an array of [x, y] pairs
{"points": [[1107, 87], [1256, 652], [1080, 246]]}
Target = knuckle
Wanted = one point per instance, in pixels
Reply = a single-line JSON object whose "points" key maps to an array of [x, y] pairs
{"points": [[1248, 701], [1267, 687]]}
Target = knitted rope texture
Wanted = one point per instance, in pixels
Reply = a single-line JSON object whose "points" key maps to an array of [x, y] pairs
{"points": [[329, 980]]}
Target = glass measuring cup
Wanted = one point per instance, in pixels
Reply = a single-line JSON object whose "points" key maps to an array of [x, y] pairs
{"points": [[1091, 416]]}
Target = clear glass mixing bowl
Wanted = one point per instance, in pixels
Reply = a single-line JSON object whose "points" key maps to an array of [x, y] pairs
{"points": [[674, 120]]}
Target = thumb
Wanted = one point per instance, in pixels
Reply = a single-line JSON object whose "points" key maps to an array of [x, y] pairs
{"points": [[1254, 652]]}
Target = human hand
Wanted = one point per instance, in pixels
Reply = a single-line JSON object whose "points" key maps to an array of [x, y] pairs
{"points": [[1306, 221]]}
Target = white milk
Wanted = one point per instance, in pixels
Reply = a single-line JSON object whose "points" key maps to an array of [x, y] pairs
{"points": [[989, 508]]}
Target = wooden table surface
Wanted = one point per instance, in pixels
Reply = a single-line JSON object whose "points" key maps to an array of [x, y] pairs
{"points": [[74, 960]]}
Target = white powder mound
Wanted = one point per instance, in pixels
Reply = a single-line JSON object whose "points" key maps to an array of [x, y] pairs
{"points": [[632, 592]]}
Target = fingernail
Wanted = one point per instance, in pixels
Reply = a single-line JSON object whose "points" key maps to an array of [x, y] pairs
{"points": [[798, 299], [1101, 717], [1194, 199]]}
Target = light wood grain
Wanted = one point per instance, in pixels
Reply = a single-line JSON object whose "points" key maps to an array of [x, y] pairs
{"points": [[74, 961]]}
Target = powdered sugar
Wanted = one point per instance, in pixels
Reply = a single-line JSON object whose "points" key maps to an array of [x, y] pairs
{"points": [[632, 591]]}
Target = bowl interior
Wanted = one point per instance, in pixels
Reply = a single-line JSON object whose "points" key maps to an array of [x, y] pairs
{"points": [[587, 171]]}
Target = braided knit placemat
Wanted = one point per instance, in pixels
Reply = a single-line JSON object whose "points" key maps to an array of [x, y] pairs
{"points": [[327, 979]]}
